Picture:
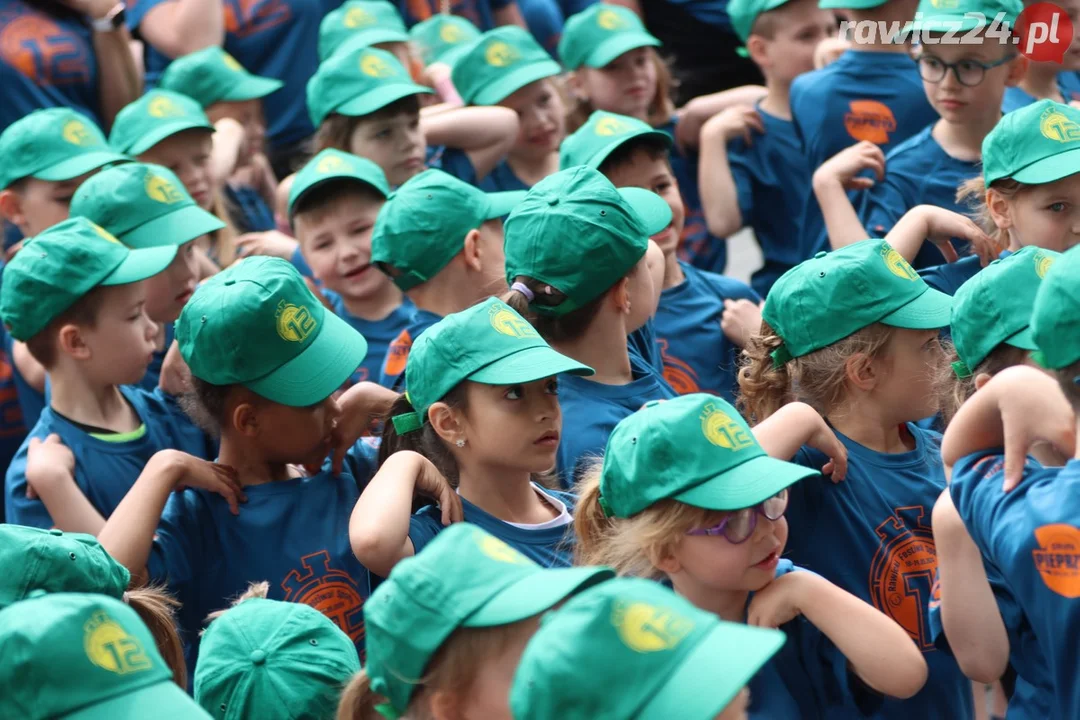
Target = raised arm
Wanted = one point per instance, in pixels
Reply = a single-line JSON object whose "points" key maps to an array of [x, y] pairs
{"points": [[179, 27], [486, 134]]}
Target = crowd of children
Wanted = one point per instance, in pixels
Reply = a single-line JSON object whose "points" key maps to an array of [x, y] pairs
{"points": [[463, 419]]}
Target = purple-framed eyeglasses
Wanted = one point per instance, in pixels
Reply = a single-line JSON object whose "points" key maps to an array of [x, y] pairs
{"points": [[738, 526]]}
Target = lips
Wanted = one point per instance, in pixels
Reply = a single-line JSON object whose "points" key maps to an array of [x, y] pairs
{"points": [[549, 439], [184, 296], [770, 561]]}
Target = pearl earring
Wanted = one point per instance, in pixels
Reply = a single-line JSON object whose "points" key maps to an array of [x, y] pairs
{"points": [[459, 442]]}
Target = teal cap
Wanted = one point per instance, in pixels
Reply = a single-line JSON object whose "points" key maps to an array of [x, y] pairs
{"points": [[358, 81], [1055, 319], [1036, 144], [332, 165], [600, 34], [442, 38], [743, 13], [602, 134], [361, 23], [53, 145], [963, 15], [157, 115], [499, 63], [212, 75]]}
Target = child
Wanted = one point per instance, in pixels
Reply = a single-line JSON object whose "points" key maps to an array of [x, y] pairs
{"points": [[441, 241], [266, 358], [677, 475], [364, 23], [507, 67], [855, 334], [1050, 80], [71, 654], [447, 627], [690, 320], [333, 203], [224, 89], [481, 417], [145, 206], [74, 296], [586, 293], [169, 129], [375, 113], [753, 172], [650, 655], [964, 84], [272, 659]]}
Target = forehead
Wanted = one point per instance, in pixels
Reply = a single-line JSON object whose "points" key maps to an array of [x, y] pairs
{"points": [[988, 50], [802, 12], [641, 165], [528, 94], [347, 206], [187, 142]]}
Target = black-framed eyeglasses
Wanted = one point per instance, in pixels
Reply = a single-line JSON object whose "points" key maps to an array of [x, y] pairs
{"points": [[969, 73], [739, 525]]}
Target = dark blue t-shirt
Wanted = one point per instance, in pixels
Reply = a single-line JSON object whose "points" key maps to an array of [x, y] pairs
{"points": [[698, 247], [392, 374], [378, 333], [502, 179], [478, 12], [31, 402], [451, 160], [248, 210], [1016, 97]]}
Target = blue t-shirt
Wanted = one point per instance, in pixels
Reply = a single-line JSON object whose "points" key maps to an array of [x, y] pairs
{"points": [[772, 179], [1031, 534], [105, 470], [698, 247], [46, 60], [293, 534], [378, 333], [948, 277], [454, 161], [1016, 98], [271, 38], [502, 179], [697, 356], [590, 411], [875, 96], [870, 535], [646, 345], [248, 210], [551, 547], [918, 171], [392, 374], [478, 12]]}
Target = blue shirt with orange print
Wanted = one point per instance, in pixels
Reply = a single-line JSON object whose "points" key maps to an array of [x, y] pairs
{"points": [[478, 12], [397, 353], [870, 535], [697, 356], [46, 60], [1031, 534], [874, 96], [378, 333]]}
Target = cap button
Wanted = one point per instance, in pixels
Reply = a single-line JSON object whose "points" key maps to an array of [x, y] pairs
{"points": [[258, 656], [56, 531], [821, 254], [233, 282], [553, 201]]}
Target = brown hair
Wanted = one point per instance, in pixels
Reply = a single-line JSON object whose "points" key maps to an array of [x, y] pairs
{"points": [[43, 345], [223, 241], [157, 609], [425, 440], [1069, 380], [326, 200], [336, 130], [553, 328], [972, 193], [655, 148], [205, 404], [954, 391], [660, 109], [254, 590]]}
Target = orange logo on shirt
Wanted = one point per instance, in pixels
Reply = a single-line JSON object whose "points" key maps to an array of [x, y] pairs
{"points": [[43, 51], [249, 17], [903, 570], [397, 354], [869, 120], [1058, 558], [680, 376], [329, 590]]}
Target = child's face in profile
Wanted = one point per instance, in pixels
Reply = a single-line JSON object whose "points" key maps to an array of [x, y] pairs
{"points": [[249, 113], [336, 242], [296, 435], [395, 143], [626, 85], [651, 170], [542, 117], [796, 29], [167, 291], [120, 344], [187, 154], [1045, 215], [39, 204], [905, 374], [963, 104], [711, 563]]}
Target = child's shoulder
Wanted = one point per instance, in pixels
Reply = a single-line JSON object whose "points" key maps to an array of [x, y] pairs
{"points": [[726, 288], [918, 147]]}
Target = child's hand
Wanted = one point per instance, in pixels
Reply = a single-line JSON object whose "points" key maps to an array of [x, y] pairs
{"points": [[824, 440], [359, 405], [741, 320], [1033, 410], [220, 479], [844, 166], [270, 242], [48, 461], [175, 374], [430, 482], [737, 121], [942, 225], [781, 600]]}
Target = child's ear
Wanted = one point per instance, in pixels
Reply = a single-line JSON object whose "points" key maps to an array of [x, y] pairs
{"points": [[446, 423], [861, 372], [471, 252], [620, 295], [443, 705], [998, 207], [664, 559], [758, 48], [981, 379], [11, 208], [575, 83], [1018, 66], [245, 420], [71, 341]]}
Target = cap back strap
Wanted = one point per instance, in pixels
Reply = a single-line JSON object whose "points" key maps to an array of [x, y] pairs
{"points": [[781, 356]]}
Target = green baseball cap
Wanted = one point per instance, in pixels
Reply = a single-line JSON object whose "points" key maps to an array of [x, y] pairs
{"points": [[157, 115], [1014, 149], [54, 561], [850, 4], [358, 81], [84, 657], [267, 657], [442, 38], [364, 22], [963, 15], [602, 134], [212, 75], [53, 145], [489, 343], [1055, 319], [601, 33], [336, 166], [61, 265], [631, 648], [257, 324], [424, 222], [464, 578], [696, 449], [743, 13], [833, 295], [994, 306], [576, 232], [143, 206], [499, 63]]}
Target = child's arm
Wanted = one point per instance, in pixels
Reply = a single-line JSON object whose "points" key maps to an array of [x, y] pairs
{"points": [[359, 405], [32, 371], [879, 651], [937, 225], [831, 183], [1018, 407], [969, 611], [486, 134], [719, 194], [50, 473], [509, 14], [694, 114], [228, 139], [783, 433]]}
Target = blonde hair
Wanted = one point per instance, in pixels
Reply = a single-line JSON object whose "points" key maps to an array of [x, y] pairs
{"points": [[258, 590], [222, 242], [452, 669], [972, 193], [660, 109], [953, 391], [157, 609]]}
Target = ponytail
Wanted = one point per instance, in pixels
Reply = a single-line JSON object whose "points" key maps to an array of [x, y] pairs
{"points": [[972, 193], [764, 386], [526, 294], [424, 440], [157, 609], [358, 700]]}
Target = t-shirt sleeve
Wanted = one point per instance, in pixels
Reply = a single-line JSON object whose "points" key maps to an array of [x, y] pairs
{"points": [[743, 175], [453, 161], [805, 496], [19, 509], [361, 461], [137, 9], [424, 525], [175, 555], [882, 206]]}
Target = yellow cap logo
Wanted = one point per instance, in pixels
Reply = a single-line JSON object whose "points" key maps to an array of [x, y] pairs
{"points": [[610, 20], [103, 233], [1054, 125], [1042, 263], [508, 322], [612, 126], [897, 265], [331, 164], [109, 646], [499, 54], [162, 107], [76, 133], [231, 62], [451, 34], [499, 551], [945, 4], [162, 190], [721, 430], [294, 322], [358, 17], [374, 66], [646, 628]]}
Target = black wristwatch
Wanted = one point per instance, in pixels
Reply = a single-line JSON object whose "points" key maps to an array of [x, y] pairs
{"points": [[113, 20]]}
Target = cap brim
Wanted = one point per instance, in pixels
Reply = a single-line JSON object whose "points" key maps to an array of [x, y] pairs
{"points": [[322, 180], [1049, 169], [451, 55], [850, 4], [618, 44], [168, 701], [318, 371], [141, 264], [507, 85], [253, 88], [528, 365], [535, 594], [500, 204], [1023, 339], [379, 98], [174, 229], [164, 130], [929, 311], [80, 165], [745, 485], [714, 672], [598, 159], [653, 210]]}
